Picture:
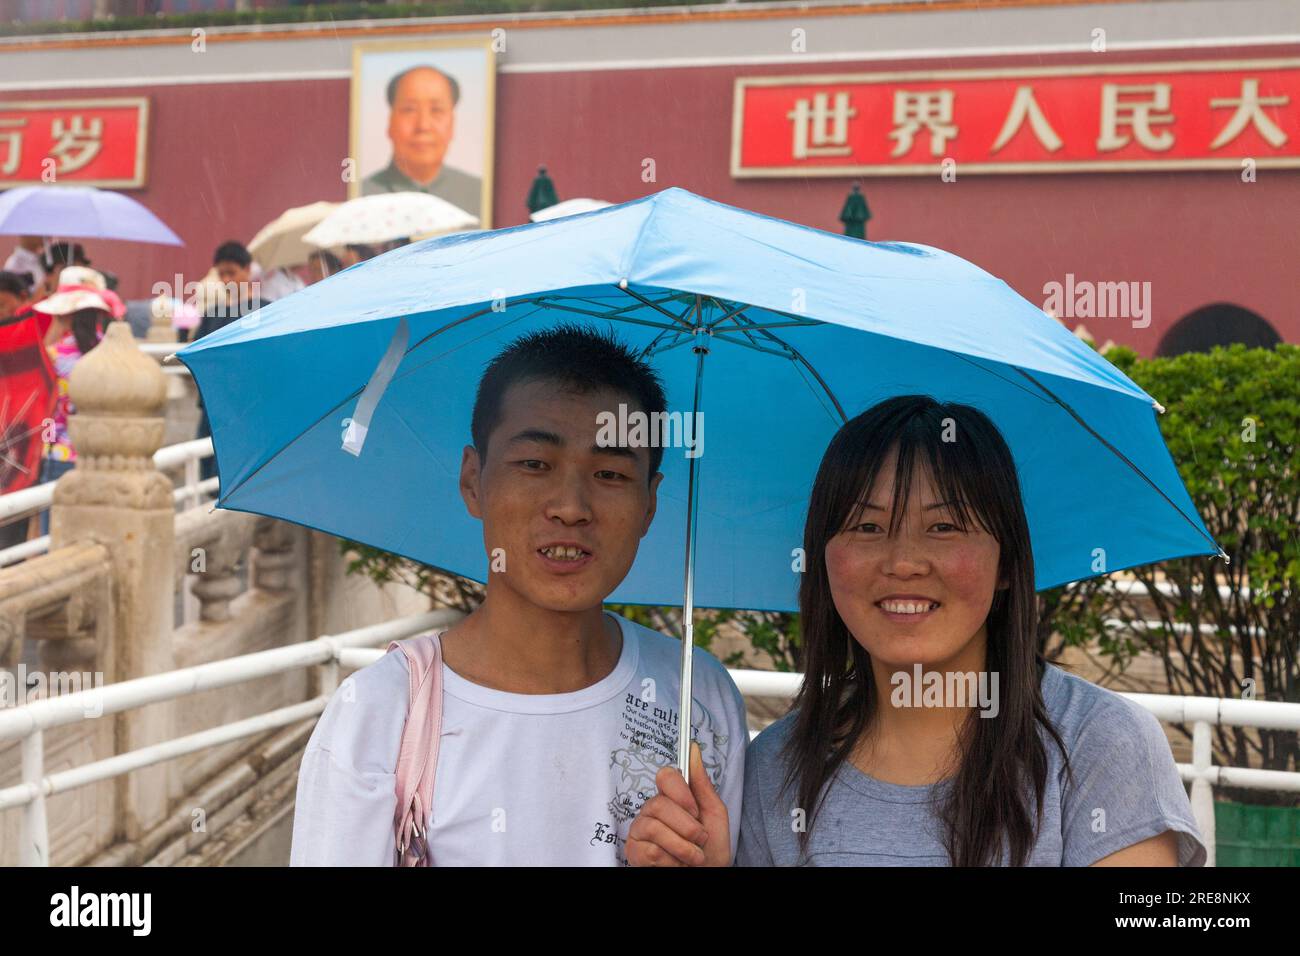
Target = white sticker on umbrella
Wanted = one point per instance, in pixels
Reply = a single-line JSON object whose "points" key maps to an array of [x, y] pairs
{"points": [[359, 425]]}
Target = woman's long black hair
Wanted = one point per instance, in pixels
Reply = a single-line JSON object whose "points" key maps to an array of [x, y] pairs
{"points": [[1003, 761], [86, 324]]}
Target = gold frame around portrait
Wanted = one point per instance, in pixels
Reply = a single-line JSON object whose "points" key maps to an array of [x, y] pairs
{"points": [[484, 43]]}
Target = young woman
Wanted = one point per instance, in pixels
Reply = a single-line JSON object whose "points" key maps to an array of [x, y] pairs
{"points": [[81, 308], [928, 730]]}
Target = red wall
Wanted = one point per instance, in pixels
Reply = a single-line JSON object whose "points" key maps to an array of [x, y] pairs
{"points": [[225, 159]]}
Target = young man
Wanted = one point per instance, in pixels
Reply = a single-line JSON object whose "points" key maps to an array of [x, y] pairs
{"points": [[557, 715], [26, 259], [234, 269]]}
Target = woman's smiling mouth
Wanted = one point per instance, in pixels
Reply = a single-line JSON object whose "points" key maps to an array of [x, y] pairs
{"points": [[907, 610]]}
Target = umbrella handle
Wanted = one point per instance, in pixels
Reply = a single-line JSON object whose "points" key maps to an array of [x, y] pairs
{"points": [[701, 349]]}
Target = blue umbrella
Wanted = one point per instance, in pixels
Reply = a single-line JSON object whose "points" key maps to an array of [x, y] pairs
{"points": [[345, 406], [80, 212]]}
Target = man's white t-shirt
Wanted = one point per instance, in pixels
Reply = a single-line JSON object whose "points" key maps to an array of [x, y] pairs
{"points": [[522, 779], [24, 260]]}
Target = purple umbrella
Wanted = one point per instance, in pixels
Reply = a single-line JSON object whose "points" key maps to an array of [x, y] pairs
{"points": [[80, 212]]}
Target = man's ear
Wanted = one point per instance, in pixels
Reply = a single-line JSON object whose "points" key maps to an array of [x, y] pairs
{"points": [[654, 501], [470, 472]]}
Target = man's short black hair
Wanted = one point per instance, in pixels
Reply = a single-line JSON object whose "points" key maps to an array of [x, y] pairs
{"points": [[451, 81], [232, 251], [16, 283], [574, 357]]}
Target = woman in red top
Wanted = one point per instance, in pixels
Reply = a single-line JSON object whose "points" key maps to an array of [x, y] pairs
{"points": [[82, 308]]}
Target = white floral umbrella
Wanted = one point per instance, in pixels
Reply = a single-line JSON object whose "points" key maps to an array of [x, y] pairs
{"points": [[570, 207], [280, 243], [389, 216]]}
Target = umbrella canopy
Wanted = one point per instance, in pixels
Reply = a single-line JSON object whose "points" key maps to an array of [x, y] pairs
{"points": [[280, 243], [345, 407], [389, 216], [803, 328], [570, 207], [81, 212]]}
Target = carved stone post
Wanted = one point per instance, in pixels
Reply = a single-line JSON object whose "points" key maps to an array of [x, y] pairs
{"points": [[117, 497], [160, 321], [274, 561], [217, 585]]}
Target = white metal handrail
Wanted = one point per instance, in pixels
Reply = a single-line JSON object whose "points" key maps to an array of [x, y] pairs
{"points": [[1132, 588], [354, 649], [29, 721], [190, 494]]}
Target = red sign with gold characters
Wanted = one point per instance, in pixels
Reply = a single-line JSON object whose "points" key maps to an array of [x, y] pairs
{"points": [[96, 142], [1203, 115]]}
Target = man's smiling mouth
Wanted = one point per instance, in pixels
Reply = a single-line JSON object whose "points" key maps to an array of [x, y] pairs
{"points": [[564, 552]]}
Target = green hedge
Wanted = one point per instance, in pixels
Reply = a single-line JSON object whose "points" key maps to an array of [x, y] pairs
{"points": [[1248, 835], [1233, 427], [324, 12]]}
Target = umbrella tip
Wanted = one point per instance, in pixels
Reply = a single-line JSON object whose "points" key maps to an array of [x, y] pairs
{"points": [[1158, 407], [169, 358], [622, 283]]}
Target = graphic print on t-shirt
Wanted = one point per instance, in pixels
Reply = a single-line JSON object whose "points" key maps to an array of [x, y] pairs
{"points": [[650, 734]]}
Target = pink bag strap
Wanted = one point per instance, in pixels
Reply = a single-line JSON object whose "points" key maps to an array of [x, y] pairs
{"points": [[417, 759]]}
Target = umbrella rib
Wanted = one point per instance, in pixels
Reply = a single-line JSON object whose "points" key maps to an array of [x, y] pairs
{"points": [[678, 343], [717, 322], [752, 345], [1120, 455], [1016, 385], [777, 325], [678, 331], [650, 349], [739, 311], [596, 300], [798, 356], [657, 307], [14, 437], [27, 403], [406, 373], [610, 316], [800, 371]]}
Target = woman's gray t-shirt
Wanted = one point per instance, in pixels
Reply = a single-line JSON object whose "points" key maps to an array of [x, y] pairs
{"points": [[1125, 789]]}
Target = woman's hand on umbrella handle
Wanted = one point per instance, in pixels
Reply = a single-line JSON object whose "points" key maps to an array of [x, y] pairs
{"points": [[682, 825]]}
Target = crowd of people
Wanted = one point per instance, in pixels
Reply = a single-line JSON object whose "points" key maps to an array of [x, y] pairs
{"points": [[50, 294]]}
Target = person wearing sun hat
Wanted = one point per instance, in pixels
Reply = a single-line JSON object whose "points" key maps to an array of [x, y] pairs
{"points": [[81, 307], [81, 287], [57, 257]]}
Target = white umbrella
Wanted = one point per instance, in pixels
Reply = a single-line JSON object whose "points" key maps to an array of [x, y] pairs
{"points": [[570, 207], [390, 216], [280, 244]]}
